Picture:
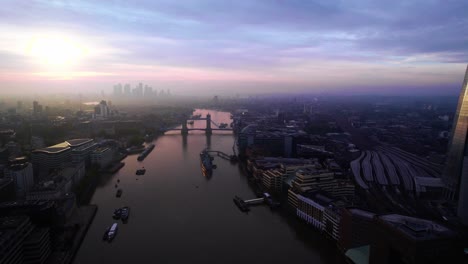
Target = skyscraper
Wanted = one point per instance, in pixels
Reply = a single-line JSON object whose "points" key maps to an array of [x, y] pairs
{"points": [[127, 90], [456, 171], [118, 90]]}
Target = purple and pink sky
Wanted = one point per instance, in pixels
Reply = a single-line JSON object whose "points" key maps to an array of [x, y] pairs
{"points": [[243, 46]]}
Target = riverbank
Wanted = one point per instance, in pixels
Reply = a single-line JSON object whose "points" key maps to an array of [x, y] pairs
{"points": [[81, 219]]}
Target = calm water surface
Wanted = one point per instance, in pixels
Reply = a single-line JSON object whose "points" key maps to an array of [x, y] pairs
{"points": [[179, 216]]}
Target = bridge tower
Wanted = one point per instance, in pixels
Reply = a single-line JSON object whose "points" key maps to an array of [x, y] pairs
{"points": [[184, 130], [208, 130]]}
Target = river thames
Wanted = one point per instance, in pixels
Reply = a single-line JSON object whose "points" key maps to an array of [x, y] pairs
{"points": [[180, 216]]}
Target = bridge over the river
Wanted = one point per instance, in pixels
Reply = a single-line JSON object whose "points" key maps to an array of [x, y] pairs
{"points": [[208, 129]]}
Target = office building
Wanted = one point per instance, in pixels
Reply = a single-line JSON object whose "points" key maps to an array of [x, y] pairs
{"points": [[83, 152], [7, 189], [55, 157], [148, 92], [37, 108], [456, 171], [101, 111], [127, 90], [321, 211], [36, 247], [403, 239], [272, 180], [102, 157], [354, 229], [118, 90], [22, 242], [23, 177], [312, 179]]}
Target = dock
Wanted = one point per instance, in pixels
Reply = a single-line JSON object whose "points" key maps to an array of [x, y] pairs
{"points": [[245, 204]]}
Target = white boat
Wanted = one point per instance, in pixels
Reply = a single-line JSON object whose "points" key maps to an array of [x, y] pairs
{"points": [[112, 232]]}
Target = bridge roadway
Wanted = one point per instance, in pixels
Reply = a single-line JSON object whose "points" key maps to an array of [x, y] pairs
{"points": [[184, 130]]}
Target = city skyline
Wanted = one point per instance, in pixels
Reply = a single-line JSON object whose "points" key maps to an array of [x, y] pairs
{"points": [[262, 47]]}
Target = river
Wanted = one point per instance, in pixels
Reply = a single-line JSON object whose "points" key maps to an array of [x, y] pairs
{"points": [[179, 216]]}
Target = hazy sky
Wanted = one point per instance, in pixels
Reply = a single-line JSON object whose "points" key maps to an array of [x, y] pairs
{"points": [[240, 46]]}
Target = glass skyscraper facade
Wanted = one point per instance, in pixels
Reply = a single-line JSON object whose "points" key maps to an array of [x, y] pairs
{"points": [[456, 171]]}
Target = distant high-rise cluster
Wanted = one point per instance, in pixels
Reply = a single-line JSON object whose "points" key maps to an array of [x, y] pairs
{"points": [[37, 108], [139, 91], [101, 111]]}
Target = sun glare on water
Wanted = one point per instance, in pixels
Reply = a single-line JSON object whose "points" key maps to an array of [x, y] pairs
{"points": [[56, 51]]}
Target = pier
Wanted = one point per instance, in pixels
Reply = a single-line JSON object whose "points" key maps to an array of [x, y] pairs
{"points": [[254, 201], [245, 204], [223, 155]]}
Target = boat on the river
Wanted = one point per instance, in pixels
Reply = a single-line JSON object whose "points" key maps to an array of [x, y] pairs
{"points": [[135, 149], [206, 161], [145, 153], [112, 232], [125, 213], [106, 233], [117, 213], [141, 171], [223, 125], [241, 204], [119, 193]]}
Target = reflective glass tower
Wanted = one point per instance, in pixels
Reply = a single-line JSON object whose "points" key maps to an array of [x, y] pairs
{"points": [[456, 171]]}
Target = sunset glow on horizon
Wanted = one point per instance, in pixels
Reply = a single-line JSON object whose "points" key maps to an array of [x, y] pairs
{"points": [[248, 46]]}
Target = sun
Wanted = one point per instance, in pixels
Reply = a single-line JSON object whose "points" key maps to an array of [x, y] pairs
{"points": [[55, 51]]}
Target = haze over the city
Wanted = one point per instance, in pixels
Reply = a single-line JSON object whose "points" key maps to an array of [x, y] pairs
{"points": [[344, 47]]}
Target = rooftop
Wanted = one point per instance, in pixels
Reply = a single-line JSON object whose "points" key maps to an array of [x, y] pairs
{"points": [[78, 142], [12, 221], [64, 146], [362, 213], [101, 150], [416, 228]]}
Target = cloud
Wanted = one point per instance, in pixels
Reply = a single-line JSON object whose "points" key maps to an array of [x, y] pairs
{"points": [[240, 41]]}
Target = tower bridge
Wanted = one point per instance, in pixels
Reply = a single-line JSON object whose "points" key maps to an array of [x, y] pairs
{"points": [[208, 129]]}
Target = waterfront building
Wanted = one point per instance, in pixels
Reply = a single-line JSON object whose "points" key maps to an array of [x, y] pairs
{"points": [[57, 156], [332, 222], [321, 211], [272, 180], [83, 152], [275, 142], [49, 158], [313, 179], [118, 90], [58, 184], [102, 157], [456, 171], [288, 165], [354, 229]]}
